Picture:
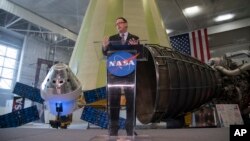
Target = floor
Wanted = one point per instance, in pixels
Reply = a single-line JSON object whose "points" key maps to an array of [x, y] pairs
{"points": [[45, 134]]}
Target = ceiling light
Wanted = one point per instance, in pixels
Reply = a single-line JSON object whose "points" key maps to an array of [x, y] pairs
{"points": [[191, 11], [169, 31], [224, 17]]}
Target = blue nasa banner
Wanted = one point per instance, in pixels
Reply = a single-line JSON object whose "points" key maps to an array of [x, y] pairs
{"points": [[121, 63], [18, 103]]}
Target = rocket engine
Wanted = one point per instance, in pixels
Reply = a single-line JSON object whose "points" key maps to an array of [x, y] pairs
{"points": [[170, 83]]}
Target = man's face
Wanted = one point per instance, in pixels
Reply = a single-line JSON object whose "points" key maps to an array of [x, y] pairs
{"points": [[121, 26]]}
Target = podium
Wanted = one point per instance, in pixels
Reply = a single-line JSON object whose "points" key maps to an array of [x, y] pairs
{"points": [[121, 80]]}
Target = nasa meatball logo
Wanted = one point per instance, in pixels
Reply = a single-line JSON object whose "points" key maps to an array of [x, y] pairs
{"points": [[121, 63]]}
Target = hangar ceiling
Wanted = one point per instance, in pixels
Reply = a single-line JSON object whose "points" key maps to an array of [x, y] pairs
{"points": [[69, 14], [177, 20], [66, 13]]}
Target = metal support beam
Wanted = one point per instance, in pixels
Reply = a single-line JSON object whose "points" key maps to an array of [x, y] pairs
{"points": [[61, 40], [8, 25], [26, 30], [228, 26], [35, 19]]}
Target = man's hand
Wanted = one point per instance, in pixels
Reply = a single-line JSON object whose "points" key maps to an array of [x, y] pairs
{"points": [[133, 42], [105, 43]]}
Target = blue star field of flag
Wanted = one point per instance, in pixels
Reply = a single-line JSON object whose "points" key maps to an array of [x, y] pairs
{"points": [[181, 43]]}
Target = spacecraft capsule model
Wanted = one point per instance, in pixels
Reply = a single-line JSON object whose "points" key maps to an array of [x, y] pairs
{"points": [[61, 89]]}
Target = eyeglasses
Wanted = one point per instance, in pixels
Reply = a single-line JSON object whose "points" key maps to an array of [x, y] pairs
{"points": [[119, 23]]}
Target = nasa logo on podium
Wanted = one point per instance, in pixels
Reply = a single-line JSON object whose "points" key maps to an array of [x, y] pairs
{"points": [[121, 63], [239, 132]]}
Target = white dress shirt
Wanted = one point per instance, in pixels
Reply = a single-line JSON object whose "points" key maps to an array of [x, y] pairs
{"points": [[125, 35]]}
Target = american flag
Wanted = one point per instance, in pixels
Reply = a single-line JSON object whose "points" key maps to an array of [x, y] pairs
{"points": [[194, 43]]}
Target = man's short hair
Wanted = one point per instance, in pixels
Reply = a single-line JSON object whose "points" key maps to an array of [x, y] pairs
{"points": [[124, 20]]}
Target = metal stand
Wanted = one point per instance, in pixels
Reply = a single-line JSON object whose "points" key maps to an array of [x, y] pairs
{"points": [[121, 138]]}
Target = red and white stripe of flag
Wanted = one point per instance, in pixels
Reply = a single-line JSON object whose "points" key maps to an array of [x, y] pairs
{"points": [[199, 45]]}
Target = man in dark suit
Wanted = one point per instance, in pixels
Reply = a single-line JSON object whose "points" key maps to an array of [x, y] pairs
{"points": [[122, 38], [125, 39]]}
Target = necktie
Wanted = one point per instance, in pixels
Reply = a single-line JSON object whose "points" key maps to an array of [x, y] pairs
{"points": [[123, 40]]}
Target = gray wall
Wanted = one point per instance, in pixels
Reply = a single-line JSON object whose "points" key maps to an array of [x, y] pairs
{"points": [[36, 48], [229, 41], [11, 38], [14, 40], [31, 48]]}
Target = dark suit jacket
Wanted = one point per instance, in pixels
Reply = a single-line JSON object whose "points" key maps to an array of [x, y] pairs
{"points": [[115, 40]]}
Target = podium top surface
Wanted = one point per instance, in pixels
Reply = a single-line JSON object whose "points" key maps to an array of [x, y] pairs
{"points": [[138, 48], [134, 49]]}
